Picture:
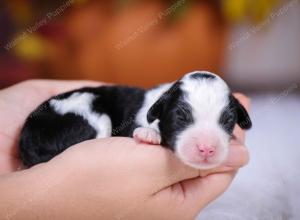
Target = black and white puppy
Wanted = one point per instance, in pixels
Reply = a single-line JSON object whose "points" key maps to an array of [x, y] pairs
{"points": [[193, 116]]}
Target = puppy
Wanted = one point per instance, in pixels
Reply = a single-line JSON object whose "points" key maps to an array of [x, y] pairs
{"points": [[194, 117]]}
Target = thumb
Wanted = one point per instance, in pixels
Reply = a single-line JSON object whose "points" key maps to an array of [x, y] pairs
{"points": [[157, 164], [154, 165], [199, 192]]}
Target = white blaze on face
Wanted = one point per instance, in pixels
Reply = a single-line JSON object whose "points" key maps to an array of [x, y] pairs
{"points": [[204, 144]]}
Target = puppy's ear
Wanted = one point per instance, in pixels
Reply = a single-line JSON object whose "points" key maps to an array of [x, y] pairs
{"points": [[243, 118], [160, 107]]}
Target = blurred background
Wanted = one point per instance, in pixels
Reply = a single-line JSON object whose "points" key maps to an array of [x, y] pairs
{"points": [[253, 44]]}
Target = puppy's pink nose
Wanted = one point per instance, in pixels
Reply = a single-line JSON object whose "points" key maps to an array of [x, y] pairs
{"points": [[206, 151]]}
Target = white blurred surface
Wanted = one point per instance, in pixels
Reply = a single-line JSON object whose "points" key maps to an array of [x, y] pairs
{"points": [[266, 54], [268, 188]]}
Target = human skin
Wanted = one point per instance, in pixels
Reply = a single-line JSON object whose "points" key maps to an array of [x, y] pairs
{"points": [[112, 178]]}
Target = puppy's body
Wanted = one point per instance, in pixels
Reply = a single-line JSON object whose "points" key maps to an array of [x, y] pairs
{"points": [[78, 116], [194, 117]]}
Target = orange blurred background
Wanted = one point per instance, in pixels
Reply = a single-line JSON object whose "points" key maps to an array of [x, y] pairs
{"points": [[138, 43]]}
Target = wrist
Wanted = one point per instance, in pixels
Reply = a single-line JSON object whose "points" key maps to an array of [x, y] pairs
{"points": [[28, 194]]}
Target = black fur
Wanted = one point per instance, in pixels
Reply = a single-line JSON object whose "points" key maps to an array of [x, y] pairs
{"points": [[234, 113], [46, 133], [202, 76], [243, 119], [174, 114]]}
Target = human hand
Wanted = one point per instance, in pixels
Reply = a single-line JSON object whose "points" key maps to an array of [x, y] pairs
{"points": [[119, 177], [116, 178]]}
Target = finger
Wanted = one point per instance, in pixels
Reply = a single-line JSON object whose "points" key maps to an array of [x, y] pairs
{"points": [[239, 135], [160, 167], [193, 195], [238, 156], [164, 168], [199, 192], [243, 99]]}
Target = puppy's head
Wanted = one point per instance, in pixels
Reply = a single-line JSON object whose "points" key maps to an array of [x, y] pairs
{"points": [[196, 117]]}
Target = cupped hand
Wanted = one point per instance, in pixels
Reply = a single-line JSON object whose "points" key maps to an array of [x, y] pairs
{"points": [[113, 178], [116, 178]]}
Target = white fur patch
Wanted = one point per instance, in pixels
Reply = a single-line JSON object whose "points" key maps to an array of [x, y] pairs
{"points": [[150, 98], [208, 97], [80, 104]]}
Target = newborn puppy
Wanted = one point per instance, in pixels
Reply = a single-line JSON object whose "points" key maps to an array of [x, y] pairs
{"points": [[194, 117]]}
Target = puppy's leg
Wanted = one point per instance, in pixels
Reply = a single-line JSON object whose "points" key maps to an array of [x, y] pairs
{"points": [[147, 135]]}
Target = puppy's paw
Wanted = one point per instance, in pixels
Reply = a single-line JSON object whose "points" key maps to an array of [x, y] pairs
{"points": [[147, 135]]}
